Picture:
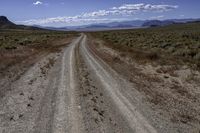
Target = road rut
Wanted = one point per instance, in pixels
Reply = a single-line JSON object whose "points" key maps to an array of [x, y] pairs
{"points": [[77, 93]]}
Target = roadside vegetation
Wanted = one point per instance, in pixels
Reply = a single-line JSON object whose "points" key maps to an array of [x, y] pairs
{"points": [[13, 39], [19, 49], [178, 41], [162, 62]]}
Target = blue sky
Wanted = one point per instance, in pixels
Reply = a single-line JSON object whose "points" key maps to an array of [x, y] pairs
{"points": [[79, 12]]}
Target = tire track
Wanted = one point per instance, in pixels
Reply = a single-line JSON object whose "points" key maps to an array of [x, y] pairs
{"points": [[59, 108], [138, 123], [67, 118]]}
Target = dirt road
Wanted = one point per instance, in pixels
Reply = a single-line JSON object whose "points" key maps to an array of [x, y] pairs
{"points": [[75, 91]]}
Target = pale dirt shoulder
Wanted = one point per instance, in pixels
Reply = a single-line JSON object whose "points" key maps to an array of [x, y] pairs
{"points": [[28, 91], [20, 106], [172, 93]]}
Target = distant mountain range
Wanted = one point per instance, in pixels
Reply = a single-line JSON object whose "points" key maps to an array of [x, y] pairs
{"points": [[6, 24], [102, 26], [124, 25], [156, 23]]}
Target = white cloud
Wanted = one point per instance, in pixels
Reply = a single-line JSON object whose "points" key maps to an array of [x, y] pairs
{"points": [[145, 7], [37, 3], [157, 17], [124, 10], [96, 13], [68, 21]]}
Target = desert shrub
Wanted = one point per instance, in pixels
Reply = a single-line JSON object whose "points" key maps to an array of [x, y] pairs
{"points": [[16, 40], [177, 44], [197, 56], [171, 49], [115, 41], [192, 53], [152, 55], [10, 47], [175, 40], [164, 45], [181, 52], [21, 43]]}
